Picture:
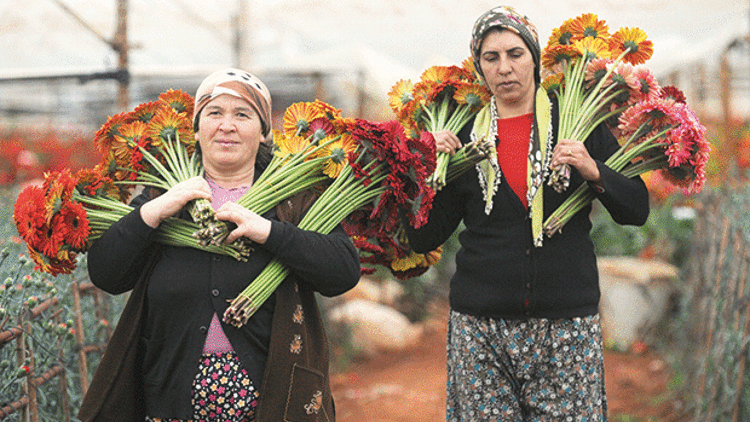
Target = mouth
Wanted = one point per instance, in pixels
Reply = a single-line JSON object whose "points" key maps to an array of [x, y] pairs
{"points": [[507, 84]]}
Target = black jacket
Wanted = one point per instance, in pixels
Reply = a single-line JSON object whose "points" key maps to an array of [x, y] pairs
{"points": [[499, 272]]}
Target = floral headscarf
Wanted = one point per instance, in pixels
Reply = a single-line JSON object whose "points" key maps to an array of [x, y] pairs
{"points": [[508, 18]]}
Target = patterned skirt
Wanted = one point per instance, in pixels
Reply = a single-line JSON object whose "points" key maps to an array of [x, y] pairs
{"points": [[222, 391]]}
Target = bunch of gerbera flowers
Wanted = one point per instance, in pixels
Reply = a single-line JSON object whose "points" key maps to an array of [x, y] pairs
{"points": [[382, 242], [595, 77], [445, 98], [661, 134], [383, 168]]}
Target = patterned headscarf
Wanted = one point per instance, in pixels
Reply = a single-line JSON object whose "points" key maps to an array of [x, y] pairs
{"points": [[508, 18], [240, 84]]}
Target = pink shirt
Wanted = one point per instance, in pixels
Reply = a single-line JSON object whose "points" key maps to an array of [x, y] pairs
{"points": [[216, 340]]}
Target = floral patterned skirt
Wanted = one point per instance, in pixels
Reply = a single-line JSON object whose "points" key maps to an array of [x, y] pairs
{"points": [[525, 370], [222, 391]]}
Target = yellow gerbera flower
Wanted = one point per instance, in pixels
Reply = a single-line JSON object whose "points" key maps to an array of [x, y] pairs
{"points": [[406, 263], [592, 48], [634, 40], [589, 25], [287, 145], [338, 153], [400, 94], [298, 116]]}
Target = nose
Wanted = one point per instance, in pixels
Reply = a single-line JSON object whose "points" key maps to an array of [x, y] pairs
{"points": [[226, 124], [504, 66]]}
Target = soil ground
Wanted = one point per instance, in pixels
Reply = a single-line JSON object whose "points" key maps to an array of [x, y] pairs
{"points": [[409, 386]]}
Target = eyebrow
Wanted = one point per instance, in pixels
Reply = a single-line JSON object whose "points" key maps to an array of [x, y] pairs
{"points": [[217, 107]]}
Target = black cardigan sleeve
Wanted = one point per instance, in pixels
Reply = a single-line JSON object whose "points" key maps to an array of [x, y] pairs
{"points": [[329, 262]]}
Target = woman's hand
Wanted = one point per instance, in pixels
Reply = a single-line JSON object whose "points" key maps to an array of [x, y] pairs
{"points": [[172, 201], [446, 141], [249, 223], [574, 153]]}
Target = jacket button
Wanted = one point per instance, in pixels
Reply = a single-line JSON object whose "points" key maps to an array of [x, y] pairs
{"points": [[215, 292], [528, 285], [528, 252], [203, 329], [217, 258]]}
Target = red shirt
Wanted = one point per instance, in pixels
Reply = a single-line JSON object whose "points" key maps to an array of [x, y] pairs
{"points": [[513, 135]]}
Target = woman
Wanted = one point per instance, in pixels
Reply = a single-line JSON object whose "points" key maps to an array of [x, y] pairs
{"points": [[194, 366], [524, 340]]}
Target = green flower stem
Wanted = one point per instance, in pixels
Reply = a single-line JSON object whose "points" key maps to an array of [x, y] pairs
{"points": [[622, 162], [340, 199], [442, 120]]}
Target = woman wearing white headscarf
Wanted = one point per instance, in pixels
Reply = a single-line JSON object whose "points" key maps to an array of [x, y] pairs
{"points": [[194, 366]]}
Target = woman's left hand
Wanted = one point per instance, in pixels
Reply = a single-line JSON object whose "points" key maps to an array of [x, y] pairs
{"points": [[249, 223], [574, 153]]}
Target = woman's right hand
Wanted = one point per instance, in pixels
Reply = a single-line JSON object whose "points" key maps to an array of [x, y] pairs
{"points": [[446, 141], [172, 201]]}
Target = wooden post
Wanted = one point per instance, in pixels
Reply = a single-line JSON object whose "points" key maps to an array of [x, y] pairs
{"points": [[83, 367], [120, 44]]}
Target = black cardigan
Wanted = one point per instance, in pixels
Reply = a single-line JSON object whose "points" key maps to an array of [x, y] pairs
{"points": [[187, 286], [499, 272]]}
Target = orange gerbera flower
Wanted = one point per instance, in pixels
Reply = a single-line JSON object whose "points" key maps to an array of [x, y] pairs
{"points": [[400, 94], [553, 83], [330, 112], [180, 101], [474, 95], [169, 124], [298, 116], [146, 111], [105, 136], [634, 40], [440, 74], [124, 143], [338, 151], [562, 35], [470, 70], [560, 55], [589, 25], [592, 48]]}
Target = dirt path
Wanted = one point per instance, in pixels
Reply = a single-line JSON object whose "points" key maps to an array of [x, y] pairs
{"points": [[409, 386]]}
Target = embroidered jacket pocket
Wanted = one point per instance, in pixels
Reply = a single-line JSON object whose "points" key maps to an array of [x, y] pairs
{"points": [[305, 399]]}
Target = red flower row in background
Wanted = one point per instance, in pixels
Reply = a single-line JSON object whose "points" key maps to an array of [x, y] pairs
{"points": [[27, 154]]}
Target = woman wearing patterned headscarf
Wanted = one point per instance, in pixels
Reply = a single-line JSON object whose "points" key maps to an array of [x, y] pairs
{"points": [[524, 339], [189, 365]]}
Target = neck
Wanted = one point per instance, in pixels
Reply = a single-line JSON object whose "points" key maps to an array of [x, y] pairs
{"points": [[232, 180], [517, 108]]}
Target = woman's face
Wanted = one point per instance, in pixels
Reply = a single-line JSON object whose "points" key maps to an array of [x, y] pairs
{"points": [[508, 68], [229, 133]]}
